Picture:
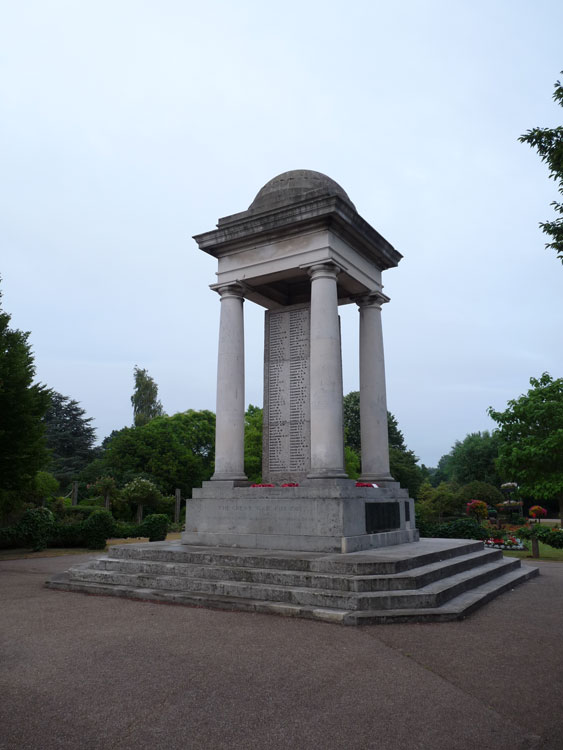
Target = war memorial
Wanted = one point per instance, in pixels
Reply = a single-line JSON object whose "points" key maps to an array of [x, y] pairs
{"points": [[308, 541]]}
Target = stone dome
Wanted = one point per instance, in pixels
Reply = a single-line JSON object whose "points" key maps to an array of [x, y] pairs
{"points": [[295, 186]]}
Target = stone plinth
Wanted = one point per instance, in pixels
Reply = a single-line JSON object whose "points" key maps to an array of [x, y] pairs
{"points": [[322, 516]]}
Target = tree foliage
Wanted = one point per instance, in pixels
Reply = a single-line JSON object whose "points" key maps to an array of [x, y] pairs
{"points": [[472, 459], [146, 405], [45, 486], [70, 438], [23, 403], [351, 412], [488, 493], [548, 142], [175, 452], [403, 462], [253, 443], [436, 502], [531, 440], [141, 491]]}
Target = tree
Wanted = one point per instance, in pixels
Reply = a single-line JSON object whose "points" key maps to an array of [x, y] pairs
{"points": [[107, 488], [472, 459], [435, 502], [403, 462], [531, 440], [45, 487], [548, 142], [404, 468], [146, 405], [488, 493], [175, 452], [23, 451], [351, 413], [70, 438], [352, 433], [141, 492], [253, 443], [396, 439]]}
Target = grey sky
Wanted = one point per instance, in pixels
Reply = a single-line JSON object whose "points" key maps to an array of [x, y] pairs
{"points": [[127, 127]]}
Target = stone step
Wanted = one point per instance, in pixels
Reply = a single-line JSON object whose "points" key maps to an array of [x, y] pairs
{"points": [[430, 595], [424, 575], [416, 578], [386, 561], [457, 608]]}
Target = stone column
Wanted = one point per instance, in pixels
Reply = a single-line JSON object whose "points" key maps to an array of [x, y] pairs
{"points": [[373, 399], [229, 429], [327, 427]]}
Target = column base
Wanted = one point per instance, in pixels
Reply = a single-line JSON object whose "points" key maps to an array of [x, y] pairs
{"points": [[229, 478], [374, 477], [327, 474]]}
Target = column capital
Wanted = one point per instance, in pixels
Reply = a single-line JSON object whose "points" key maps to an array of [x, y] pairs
{"points": [[327, 270], [373, 299], [233, 289]]}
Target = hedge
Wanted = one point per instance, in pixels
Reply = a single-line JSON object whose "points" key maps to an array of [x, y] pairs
{"points": [[39, 529], [462, 528]]}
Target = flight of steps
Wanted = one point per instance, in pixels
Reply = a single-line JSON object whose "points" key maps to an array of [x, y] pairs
{"points": [[429, 580]]}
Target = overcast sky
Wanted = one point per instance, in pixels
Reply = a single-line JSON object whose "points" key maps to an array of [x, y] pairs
{"points": [[129, 126]]}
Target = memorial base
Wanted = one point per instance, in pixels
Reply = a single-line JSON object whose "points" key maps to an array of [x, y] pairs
{"points": [[320, 516]]}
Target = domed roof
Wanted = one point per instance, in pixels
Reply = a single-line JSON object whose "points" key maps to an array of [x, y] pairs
{"points": [[295, 186]]}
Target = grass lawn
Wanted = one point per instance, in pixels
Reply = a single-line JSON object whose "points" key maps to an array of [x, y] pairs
{"points": [[19, 554], [546, 553]]}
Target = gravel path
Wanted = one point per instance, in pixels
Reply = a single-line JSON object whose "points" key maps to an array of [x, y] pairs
{"points": [[89, 673]]}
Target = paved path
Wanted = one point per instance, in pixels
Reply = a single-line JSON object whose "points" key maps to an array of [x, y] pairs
{"points": [[101, 673]]}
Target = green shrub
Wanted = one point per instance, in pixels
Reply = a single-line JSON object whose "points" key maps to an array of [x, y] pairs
{"points": [[436, 502], [545, 534], [45, 486], [75, 513], [36, 526], [535, 530], [424, 512], [166, 506], [124, 530], [95, 501], [68, 535], [488, 493], [11, 537], [98, 528], [426, 528], [554, 538], [461, 528], [155, 527]]}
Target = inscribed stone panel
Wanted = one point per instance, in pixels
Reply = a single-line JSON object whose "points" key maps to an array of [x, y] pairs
{"points": [[287, 422]]}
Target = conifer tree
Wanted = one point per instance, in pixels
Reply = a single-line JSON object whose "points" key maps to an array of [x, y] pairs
{"points": [[146, 405], [23, 403]]}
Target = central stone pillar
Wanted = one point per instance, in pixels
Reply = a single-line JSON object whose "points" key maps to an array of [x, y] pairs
{"points": [[229, 429], [327, 427], [373, 400]]}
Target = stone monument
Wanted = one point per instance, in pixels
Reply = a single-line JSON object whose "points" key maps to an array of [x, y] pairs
{"points": [[321, 546], [300, 250]]}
